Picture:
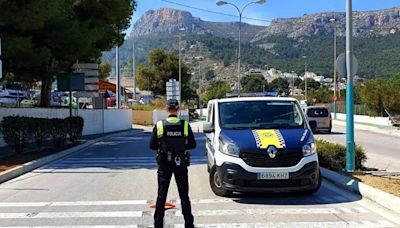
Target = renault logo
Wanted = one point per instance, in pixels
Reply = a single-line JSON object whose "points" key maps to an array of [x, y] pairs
{"points": [[272, 151]]}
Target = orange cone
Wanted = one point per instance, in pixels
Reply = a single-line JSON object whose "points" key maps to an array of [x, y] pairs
{"points": [[168, 205]]}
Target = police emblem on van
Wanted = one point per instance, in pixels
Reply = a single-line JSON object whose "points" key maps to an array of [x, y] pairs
{"points": [[272, 151]]}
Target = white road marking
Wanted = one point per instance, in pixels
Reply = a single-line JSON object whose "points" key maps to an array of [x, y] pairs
{"points": [[339, 224], [108, 214], [274, 211], [87, 226]]}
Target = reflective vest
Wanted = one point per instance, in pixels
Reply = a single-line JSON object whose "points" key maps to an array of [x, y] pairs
{"points": [[172, 134]]}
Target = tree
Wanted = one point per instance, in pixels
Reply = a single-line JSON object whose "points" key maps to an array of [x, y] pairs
{"points": [[161, 67], [42, 38], [104, 70], [253, 83], [217, 90], [311, 84], [279, 84]]}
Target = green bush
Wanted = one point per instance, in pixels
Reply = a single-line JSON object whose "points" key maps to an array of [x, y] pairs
{"points": [[19, 131], [333, 156], [75, 128], [41, 130], [59, 131], [15, 131]]}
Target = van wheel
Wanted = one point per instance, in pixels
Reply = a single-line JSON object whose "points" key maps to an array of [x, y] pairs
{"points": [[216, 184], [314, 190]]}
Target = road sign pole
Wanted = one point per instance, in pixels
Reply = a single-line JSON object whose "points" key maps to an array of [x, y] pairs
{"points": [[350, 145]]}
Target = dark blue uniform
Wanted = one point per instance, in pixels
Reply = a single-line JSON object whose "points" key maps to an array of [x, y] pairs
{"points": [[171, 138]]}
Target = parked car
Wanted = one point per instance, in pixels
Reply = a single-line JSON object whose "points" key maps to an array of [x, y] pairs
{"points": [[146, 99], [260, 144], [321, 116]]}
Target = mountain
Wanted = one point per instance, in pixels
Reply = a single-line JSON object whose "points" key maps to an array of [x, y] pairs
{"points": [[210, 47], [380, 22], [167, 22]]}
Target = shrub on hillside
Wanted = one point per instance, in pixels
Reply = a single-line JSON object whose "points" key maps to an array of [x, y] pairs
{"points": [[333, 156]]}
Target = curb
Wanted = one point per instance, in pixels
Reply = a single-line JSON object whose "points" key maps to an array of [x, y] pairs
{"points": [[29, 166], [363, 127], [384, 199]]}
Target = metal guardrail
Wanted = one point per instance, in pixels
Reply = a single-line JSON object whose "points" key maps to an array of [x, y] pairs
{"points": [[395, 120]]}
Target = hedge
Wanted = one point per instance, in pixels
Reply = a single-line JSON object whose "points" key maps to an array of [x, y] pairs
{"points": [[333, 156], [19, 131]]}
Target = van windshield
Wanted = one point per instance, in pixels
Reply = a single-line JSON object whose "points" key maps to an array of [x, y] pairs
{"points": [[260, 114]]}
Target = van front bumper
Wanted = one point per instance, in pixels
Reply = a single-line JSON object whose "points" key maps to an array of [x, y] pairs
{"points": [[237, 179]]}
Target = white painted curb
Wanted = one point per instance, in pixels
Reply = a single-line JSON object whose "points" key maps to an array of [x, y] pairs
{"points": [[364, 127], [380, 197], [29, 166]]}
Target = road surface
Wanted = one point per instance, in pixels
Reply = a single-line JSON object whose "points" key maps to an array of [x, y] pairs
{"points": [[383, 151], [113, 182]]}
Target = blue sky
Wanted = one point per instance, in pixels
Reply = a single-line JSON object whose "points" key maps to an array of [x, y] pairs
{"points": [[270, 10]]}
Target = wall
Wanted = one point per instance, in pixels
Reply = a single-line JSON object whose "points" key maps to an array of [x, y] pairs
{"points": [[142, 117], [381, 121], [162, 115], [114, 119]]}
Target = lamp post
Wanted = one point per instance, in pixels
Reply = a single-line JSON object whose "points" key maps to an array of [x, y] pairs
{"points": [[350, 145], [305, 76], [1, 64], [180, 66], [333, 21], [240, 11], [118, 78]]}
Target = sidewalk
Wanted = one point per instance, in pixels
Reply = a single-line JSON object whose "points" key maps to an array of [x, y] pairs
{"points": [[392, 131]]}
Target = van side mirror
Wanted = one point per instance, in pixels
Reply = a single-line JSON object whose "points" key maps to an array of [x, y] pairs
{"points": [[313, 125], [208, 128]]}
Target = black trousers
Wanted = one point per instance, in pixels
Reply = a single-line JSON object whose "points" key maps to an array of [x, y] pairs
{"points": [[165, 172]]}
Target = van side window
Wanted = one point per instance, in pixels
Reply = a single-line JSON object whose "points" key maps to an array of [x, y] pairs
{"points": [[212, 115], [209, 112]]}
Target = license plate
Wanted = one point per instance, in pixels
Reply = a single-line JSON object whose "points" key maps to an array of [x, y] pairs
{"points": [[273, 176]]}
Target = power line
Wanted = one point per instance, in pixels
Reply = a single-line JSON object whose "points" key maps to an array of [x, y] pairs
{"points": [[214, 12]]}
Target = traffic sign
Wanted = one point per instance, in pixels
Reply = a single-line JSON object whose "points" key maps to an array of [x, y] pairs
{"points": [[334, 98], [341, 65]]}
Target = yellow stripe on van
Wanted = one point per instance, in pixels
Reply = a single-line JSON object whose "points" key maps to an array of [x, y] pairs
{"points": [[266, 138]]}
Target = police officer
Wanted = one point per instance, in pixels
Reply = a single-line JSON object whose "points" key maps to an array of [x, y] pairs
{"points": [[172, 138]]}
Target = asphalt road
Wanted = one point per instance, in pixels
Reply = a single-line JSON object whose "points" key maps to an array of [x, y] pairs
{"points": [[112, 183], [383, 151]]}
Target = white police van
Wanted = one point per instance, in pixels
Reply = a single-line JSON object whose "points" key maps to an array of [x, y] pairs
{"points": [[260, 144]]}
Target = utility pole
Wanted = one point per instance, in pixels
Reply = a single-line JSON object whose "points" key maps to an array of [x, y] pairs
{"points": [[133, 68], [118, 79], [180, 66], [333, 20], [305, 76], [350, 145], [1, 63]]}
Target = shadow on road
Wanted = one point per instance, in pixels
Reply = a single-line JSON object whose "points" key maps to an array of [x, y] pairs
{"points": [[323, 196]]}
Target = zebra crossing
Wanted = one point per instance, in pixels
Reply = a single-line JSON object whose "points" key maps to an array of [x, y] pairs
{"points": [[112, 162], [137, 214]]}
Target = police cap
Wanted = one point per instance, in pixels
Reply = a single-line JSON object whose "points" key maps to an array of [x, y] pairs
{"points": [[173, 104]]}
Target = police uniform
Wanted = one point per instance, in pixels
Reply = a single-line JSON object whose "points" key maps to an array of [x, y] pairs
{"points": [[172, 138]]}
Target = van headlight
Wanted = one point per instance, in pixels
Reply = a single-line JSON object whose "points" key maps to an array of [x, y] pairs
{"points": [[228, 147], [309, 148]]}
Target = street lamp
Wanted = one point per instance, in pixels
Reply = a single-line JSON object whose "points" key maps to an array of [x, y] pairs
{"points": [[350, 145], [305, 76], [240, 11], [180, 66], [333, 21]]}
